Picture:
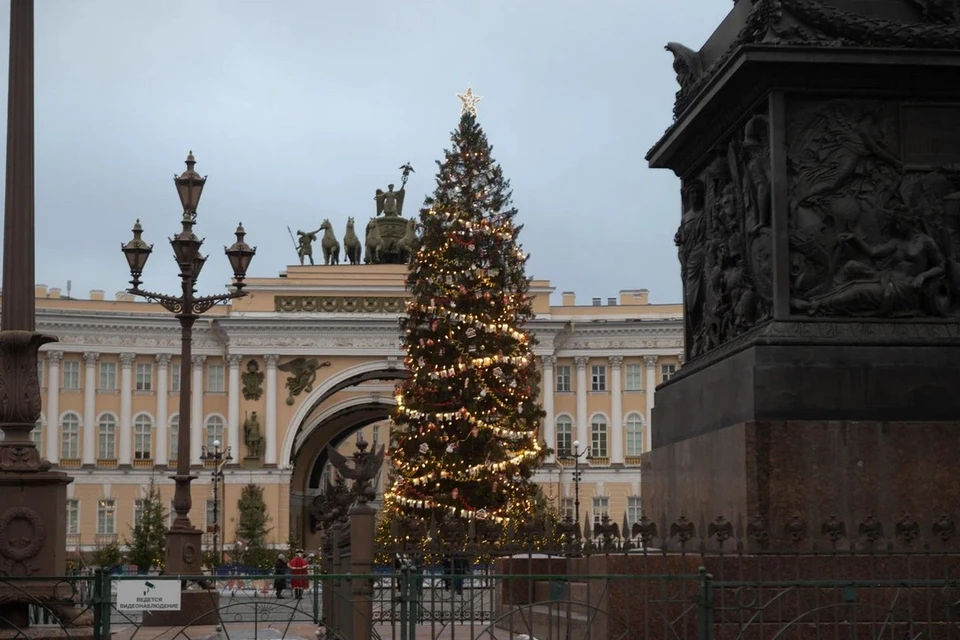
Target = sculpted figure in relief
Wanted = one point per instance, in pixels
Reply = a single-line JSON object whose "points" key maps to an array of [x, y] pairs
{"points": [[899, 277], [303, 373], [724, 240], [252, 437], [868, 236]]}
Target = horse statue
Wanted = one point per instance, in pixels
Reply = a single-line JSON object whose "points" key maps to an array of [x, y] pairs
{"points": [[351, 244], [374, 242], [330, 244], [409, 239]]}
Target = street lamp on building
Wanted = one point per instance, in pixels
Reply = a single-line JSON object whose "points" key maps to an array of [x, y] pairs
{"points": [[183, 539], [577, 454], [219, 458]]}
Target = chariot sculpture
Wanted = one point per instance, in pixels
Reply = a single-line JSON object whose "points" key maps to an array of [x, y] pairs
{"points": [[388, 237]]}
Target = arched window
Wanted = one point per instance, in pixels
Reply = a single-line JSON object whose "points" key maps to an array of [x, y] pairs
{"points": [[634, 434], [174, 436], [36, 434], [70, 436], [564, 437], [598, 436], [107, 437], [214, 431], [142, 437]]}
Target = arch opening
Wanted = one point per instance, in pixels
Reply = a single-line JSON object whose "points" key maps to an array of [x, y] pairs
{"points": [[301, 425]]}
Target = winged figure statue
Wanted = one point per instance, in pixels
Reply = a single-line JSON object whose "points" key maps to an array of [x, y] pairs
{"points": [[721, 529], [390, 202], [646, 529], [303, 373], [366, 467], [609, 532], [907, 529], [683, 529], [870, 529], [834, 528], [944, 527]]}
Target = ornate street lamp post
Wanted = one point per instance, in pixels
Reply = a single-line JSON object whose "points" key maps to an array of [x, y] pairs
{"points": [[577, 453], [219, 458], [183, 539]]}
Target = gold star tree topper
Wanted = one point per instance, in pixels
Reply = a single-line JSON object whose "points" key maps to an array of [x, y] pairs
{"points": [[468, 101]]}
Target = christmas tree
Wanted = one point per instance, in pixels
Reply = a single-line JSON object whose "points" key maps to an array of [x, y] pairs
{"points": [[467, 440], [252, 527], [149, 542]]}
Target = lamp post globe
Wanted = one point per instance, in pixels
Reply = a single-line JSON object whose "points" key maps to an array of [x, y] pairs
{"points": [[216, 444]]}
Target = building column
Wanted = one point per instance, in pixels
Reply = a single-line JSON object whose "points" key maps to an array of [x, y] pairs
{"points": [[583, 435], [88, 448], [125, 441], [651, 362], [549, 426], [270, 420], [616, 410], [53, 405], [196, 411], [233, 405], [160, 454]]}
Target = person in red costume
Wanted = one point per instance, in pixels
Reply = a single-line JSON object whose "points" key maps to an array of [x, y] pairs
{"points": [[298, 569]]}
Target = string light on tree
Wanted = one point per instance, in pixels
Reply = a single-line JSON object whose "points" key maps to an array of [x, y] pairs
{"points": [[468, 418]]}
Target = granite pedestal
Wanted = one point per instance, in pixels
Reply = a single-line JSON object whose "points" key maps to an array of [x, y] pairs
{"points": [[818, 142]]}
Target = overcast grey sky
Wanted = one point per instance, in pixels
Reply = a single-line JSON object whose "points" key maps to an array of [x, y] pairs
{"points": [[300, 109]]}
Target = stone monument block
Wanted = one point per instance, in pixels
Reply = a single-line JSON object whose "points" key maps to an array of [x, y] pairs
{"points": [[818, 143]]}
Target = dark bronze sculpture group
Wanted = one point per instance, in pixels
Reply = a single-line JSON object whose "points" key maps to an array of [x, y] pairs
{"points": [[387, 239]]}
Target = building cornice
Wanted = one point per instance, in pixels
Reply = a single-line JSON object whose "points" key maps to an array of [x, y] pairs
{"points": [[331, 334], [113, 333]]}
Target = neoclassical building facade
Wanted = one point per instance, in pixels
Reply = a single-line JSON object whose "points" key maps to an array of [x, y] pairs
{"points": [[311, 357]]}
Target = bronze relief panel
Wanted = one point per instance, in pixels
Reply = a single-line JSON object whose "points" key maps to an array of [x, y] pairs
{"points": [[873, 196], [724, 239]]}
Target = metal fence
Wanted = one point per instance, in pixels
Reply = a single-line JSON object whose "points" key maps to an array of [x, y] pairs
{"points": [[640, 593]]}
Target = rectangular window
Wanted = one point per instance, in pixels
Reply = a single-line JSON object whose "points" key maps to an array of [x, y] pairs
{"points": [[175, 377], [634, 510], [376, 437], [73, 516], [601, 507], [634, 378], [107, 436], [138, 507], [108, 376], [144, 376], [598, 442], [211, 514], [667, 371], [563, 377], [215, 378], [564, 439], [566, 508], [107, 517], [598, 377], [71, 374], [40, 369]]}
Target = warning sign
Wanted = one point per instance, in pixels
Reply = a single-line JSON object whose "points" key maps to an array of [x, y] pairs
{"points": [[148, 595]]}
